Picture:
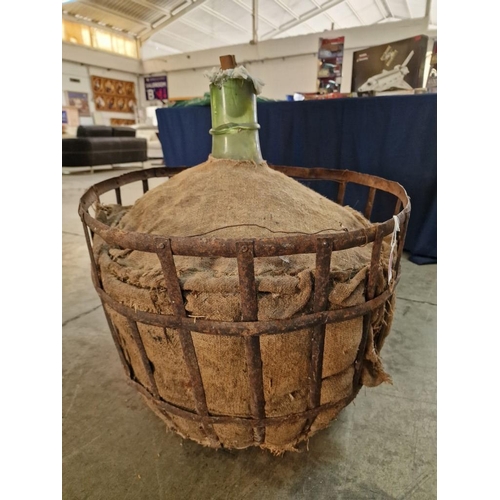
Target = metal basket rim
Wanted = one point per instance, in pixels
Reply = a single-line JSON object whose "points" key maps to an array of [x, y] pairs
{"points": [[227, 247]]}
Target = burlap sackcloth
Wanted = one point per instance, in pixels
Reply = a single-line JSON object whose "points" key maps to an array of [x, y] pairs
{"points": [[248, 200]]}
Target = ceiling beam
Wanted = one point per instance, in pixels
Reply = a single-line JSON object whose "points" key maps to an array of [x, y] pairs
{"points": [[261, 17], [385, 3], [186, 41], [226, 20], [191, 5], [152, 6], [380, 9], [113, 12], [206, 31], [354, 11], [303, 18], [324, 13], [291, 12], [255, 21]]}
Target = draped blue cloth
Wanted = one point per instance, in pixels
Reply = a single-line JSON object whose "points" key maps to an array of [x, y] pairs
{"points": [[394, 137]]}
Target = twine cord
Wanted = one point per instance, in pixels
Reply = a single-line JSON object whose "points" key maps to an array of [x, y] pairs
{"points": [[266, 228]]}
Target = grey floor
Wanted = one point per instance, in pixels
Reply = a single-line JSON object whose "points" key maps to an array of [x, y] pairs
{"points": [[383, 446]]}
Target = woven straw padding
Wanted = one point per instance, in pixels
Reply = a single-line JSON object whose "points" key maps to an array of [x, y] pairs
{"points": [[223, 193]]}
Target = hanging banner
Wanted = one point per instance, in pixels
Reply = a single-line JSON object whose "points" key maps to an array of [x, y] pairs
{"points": [[156, 88]]}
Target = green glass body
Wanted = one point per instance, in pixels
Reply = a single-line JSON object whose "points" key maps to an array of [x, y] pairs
{"points": [[235, 131]]}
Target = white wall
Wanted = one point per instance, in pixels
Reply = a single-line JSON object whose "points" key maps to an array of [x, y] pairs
{"points": [[77, 72], [286, 65], [294, 74], [83, 72], [98, 58]]}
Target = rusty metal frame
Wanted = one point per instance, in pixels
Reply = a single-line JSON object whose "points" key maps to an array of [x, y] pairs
{"points": [[250, 328]]}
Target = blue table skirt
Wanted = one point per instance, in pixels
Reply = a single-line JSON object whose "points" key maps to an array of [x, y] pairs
{"points": [[394, 137]]}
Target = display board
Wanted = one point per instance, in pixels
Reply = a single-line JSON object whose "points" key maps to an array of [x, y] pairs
{"points": [[80, 101], [156, 88], [393, 66], [432, 80], [70, 116], [113, 95], [331, 58]]}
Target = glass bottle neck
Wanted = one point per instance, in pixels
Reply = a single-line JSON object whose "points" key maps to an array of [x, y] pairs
{"points": [[235, 131]]}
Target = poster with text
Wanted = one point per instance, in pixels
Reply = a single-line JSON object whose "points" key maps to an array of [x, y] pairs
{"points": [[156, 88]]}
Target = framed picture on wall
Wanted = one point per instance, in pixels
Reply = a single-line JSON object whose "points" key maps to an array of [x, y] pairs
{"points": [[121, 121], [80, 101], [395, 66], [111, 103], [100, 103], [117, 96]]}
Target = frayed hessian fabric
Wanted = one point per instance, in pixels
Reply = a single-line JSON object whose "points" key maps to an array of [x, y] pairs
{"points": [[242, 199]]}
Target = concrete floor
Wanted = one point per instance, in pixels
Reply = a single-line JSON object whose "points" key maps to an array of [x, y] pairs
{"points": [[383, 446]]}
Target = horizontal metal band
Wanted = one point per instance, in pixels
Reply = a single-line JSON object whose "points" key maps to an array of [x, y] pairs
{"points": [[247, 328], [203, 246], [246, 421]]}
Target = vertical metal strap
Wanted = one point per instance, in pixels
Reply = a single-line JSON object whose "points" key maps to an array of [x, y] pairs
{"points": [[369, 203], [144, 358], [321, 289], [369, 295], [249, 312], [341, 193], [118, 344], [324, 248], [401, 240], [118, 192], [374, 264], [145, 186], [93, 265], [164, 252]]}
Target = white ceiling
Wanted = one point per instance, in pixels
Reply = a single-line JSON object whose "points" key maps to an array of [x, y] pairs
{"points": [[177, 26]]}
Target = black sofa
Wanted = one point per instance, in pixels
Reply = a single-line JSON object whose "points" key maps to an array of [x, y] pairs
{"points": [[96, 145]]}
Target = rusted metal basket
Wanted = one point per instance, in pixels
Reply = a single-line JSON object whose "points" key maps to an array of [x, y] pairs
{"points": [[249, 328]]}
